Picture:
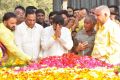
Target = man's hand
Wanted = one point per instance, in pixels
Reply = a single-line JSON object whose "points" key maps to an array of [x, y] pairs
{"points": [[34, 61], [30, 62], [82, 46], [98, 56], [58, 31]]}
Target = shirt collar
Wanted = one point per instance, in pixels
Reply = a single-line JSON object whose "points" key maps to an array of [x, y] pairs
{"points": [[26, 26], [106, 23], [101, 27]]}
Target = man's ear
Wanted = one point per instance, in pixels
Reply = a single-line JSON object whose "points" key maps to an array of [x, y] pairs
{"points": [[5, 23], [54, 26], [106, 15]]}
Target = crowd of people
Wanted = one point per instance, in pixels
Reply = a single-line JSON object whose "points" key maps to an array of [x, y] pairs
{"points": [[26, 35]]}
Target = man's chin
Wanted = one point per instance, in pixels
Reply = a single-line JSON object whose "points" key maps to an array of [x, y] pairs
{"points": [[12, 29]]}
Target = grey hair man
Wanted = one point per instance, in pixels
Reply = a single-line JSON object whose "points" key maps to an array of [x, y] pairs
{"points": [[107, 41]]}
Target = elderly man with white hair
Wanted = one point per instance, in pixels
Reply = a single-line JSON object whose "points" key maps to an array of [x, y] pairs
{"points": [[107, 40]]}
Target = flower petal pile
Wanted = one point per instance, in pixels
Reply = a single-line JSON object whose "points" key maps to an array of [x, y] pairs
{"points": [[67, 60], [66, 67], [60, 74]]}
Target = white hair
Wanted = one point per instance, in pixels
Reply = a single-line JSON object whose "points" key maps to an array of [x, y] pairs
{"points": [[103, 9]]}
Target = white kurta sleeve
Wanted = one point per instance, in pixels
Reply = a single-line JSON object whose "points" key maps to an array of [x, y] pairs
{"points": [[18, 39], [46, 40], [66, 39]]}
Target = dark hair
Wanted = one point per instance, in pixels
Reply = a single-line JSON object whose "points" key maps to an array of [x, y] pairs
{"points": [[58, 19], [53, 13], [8, 15], [29, 11], [64, 12], [115, 10], [85, 9], [40, 11], [70, 7], [20, 7], [76, 9], [31, 8]]}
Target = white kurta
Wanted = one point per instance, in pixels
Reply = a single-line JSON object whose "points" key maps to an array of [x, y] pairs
{"points": [[52, 47], [28, 39]]}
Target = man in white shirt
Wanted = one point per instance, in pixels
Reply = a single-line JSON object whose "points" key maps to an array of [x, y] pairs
{"points": [[28, 34], [56, 39]]}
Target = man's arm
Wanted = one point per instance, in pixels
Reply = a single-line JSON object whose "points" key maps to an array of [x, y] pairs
{"points": [[18, 39], [46, 40], [12, 48], [66, 39]]}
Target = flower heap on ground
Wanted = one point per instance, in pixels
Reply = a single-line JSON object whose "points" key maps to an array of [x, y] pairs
{"points": [[66, 67], [67, 60]]}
